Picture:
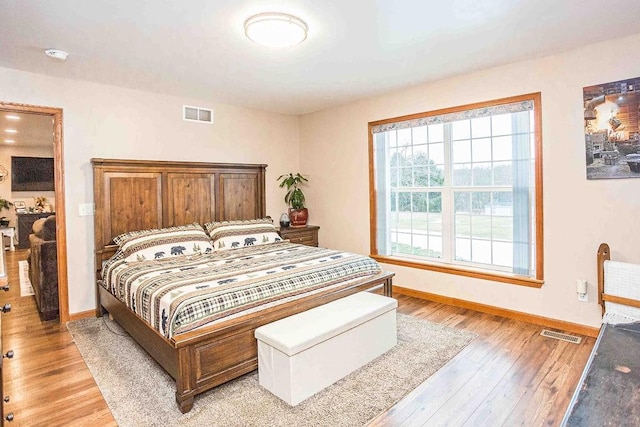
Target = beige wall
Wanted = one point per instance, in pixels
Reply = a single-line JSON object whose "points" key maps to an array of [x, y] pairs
{"points": [[578, 214], [105, 121], [6, 151]]}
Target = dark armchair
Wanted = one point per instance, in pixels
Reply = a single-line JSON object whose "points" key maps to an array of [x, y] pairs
{"points": [[43, 266]]}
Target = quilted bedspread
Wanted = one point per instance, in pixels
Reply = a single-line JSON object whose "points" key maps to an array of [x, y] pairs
{"points": [[182, 293]]}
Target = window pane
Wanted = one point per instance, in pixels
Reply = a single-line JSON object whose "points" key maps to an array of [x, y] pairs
{"points": [[393, 140], [403, 244], [481, 201], [462, 175], [420, 245], [461, 151], [481, 174], [406, 179], [502, 148], [435, 222], [421, 176], [463, 249], [502, 173], [481, 214], [435, 202], [481, 150], [502, 215], [404, 204], [419, 202], [419, 135], [463, 225], [481, 251], [404, 137], [481, 127], [393, 175], [503, 198], [461, 130], [436, 153], [503, 254], [436, 176], [462, 202], [481, 226], [396, 158], [436, 133], [420, 155], [435, 246], [501, 125]]}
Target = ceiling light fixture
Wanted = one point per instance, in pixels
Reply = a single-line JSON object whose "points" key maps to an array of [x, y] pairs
{"points": [[275, 29], [9, 141], [56, 54], [12, 117], [11, 131]]}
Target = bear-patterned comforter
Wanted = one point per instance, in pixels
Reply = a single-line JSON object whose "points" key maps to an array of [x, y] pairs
{"points": [[182, 293]]}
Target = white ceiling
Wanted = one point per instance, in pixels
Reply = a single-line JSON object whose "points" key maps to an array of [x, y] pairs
{"points": [[355, 48]]}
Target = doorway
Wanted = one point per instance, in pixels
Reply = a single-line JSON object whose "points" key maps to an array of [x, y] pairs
{"points": [[61, 239]]}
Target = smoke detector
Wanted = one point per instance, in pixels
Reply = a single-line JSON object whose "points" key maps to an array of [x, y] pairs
{"points": [[60, 55]]}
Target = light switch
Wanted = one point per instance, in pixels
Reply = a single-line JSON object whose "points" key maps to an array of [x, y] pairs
{"points": [[85, 209]]}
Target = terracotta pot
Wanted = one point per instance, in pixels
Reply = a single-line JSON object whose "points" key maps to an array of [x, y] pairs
{"points": [[298, 217]]}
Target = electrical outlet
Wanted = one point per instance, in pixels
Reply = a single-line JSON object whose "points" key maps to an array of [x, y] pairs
{"points": [[85, 209], [582, 290]]}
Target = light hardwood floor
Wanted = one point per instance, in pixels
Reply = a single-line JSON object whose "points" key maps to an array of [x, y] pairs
{"points": [[509, 375]]}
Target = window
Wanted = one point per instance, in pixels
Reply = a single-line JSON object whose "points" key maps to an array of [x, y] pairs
{"points": [[460, 190]]}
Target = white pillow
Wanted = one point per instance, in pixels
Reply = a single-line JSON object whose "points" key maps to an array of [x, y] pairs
{"points": [[164, 242], [235, 234]]}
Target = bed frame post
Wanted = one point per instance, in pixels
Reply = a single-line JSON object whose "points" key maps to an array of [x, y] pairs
{"points": [[184, 389], [388, 286], [603, 255]]}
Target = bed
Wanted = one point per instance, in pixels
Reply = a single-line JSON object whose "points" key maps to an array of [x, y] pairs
{"points": [[607, 393], [133, 195]]}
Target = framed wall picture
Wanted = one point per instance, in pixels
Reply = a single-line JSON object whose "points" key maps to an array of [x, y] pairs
{"points": [[20, 206], [612, 129]]}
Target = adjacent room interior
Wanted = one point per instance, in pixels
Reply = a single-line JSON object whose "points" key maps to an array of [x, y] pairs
{"points": [[395, 218]]}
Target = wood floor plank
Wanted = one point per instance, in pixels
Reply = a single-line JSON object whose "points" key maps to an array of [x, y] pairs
{"points": [[508, 375]]}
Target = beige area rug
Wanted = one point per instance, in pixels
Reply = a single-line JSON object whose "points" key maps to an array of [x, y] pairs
{"points": [[140, 393], [25, 284]]}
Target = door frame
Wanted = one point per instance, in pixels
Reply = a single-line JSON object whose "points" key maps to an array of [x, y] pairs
{"points": [[61, 223]]}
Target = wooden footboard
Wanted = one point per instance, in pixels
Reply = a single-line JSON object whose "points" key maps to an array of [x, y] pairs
{"points": [[205, 358]]}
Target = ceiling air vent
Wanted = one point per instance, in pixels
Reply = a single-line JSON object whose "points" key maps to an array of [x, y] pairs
{"points": [[197, 114]]}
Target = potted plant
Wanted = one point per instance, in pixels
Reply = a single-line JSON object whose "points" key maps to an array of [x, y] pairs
{"points": [[294, 197], [4, 204]]}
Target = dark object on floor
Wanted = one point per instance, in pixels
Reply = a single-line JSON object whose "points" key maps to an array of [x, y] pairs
{"points": [[608, 394], [43, 266]]}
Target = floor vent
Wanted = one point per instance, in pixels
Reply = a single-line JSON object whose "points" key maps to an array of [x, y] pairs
{"points": [[560, 336]]}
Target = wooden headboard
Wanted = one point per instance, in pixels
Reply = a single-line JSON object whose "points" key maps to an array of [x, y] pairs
{"points": [[134, 195]]}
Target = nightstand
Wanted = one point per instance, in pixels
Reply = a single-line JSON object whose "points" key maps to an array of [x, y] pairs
{"points": [[303, 235]]}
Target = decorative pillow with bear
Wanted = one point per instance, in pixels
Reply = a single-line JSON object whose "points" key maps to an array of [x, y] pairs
{"points": [[236, 234], [163, 242]]}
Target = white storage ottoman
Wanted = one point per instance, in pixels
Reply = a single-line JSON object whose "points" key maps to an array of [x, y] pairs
{"points": [[302, 354]]}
